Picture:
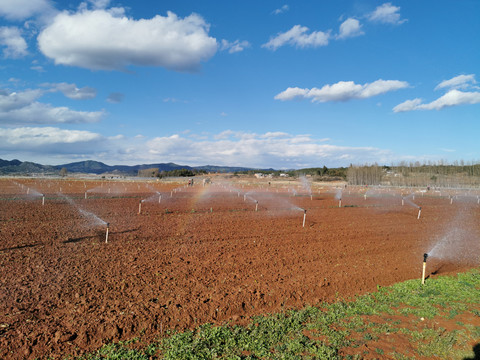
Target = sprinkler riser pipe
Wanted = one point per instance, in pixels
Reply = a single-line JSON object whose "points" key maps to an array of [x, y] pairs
{"points": [[43, 200], [106, 235], [423, 272], [419, 212], [304, 216]]}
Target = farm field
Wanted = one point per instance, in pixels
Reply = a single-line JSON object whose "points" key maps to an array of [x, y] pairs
{"points": [[180, 256]]}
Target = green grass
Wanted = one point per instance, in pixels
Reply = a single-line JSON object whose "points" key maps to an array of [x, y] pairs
{"points": [[329, 331]]}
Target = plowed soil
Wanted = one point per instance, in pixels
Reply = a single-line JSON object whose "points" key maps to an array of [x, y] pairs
{"points": [[203, 254]]}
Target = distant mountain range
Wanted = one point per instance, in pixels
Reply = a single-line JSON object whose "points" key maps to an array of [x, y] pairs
{"points": [[17, 167]]}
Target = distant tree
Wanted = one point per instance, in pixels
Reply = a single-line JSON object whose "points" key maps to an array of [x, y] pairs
{"points": [[63, 172]]}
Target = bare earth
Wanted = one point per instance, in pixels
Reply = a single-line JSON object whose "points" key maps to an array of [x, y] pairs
{"points": [[203, 254]]}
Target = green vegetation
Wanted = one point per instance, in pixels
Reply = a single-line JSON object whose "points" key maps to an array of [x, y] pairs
{"points": [[345, 329]]}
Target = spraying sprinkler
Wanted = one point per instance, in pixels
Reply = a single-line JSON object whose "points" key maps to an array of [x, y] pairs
{"points": [[140, 207], [424, 266], [419, 212], [159, 198], [43, 199], [340, 203], [256, 205], [106, 234], [304, 216]]}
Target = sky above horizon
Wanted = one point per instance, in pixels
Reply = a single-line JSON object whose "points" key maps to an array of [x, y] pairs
{"points": [[266, 84]]}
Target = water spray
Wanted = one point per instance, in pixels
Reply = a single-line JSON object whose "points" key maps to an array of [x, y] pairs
{"points": [[424, 267], [304, 216], [106, 234], [419, 212]]}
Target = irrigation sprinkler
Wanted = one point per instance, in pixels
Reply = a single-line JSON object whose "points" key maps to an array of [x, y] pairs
{"points": [[85, 195], [403, 201], [340, 203], [43, 199], [365, 196], [159, 198], [304, 216], [106, 234], [424, 266], [451, 200], [140, 207], [28, 191], [244, 197], [419, 212], [311, 197], [256, 205]]}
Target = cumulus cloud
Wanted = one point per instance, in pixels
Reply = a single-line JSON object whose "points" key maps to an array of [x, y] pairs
{"points": [[14, 44], [48, 140], [281, 10], [115, 98], [342, 91], [387, 14], [298, 36], [451, 98], [235, 46], [457, 94], [23, 108], [230, 148], [24, 9], [350, 28], [108, 40], [460, 82], [73, 92], [279, 150]]}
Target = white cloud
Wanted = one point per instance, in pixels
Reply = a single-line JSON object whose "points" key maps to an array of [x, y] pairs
{"points": [[229, 148], [350, 28], [14, 44], [73, 92], [281, 10], [23, 9], [108, 40], [451, 98], [22, 108], [46, 139], [235, 46], [460, 82], [279, 150], [342, 91], [387, 14], [298, 36]]}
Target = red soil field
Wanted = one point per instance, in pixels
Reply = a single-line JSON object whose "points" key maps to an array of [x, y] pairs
{"points": [[203, 254]]}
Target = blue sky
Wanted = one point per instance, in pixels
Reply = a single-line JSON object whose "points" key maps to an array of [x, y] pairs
{"points": [[253, 83]]}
